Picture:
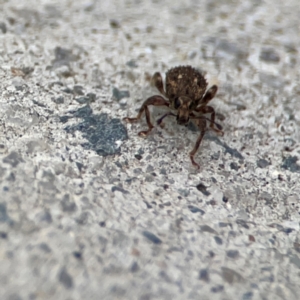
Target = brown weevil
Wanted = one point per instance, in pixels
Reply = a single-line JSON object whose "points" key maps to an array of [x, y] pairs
{"points": [[186, 92]]}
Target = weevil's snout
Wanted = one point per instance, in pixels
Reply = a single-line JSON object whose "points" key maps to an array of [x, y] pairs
{"points": [[182, 104]]}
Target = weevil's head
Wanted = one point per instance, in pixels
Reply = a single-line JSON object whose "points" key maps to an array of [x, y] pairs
{"points": [[184, 106]]}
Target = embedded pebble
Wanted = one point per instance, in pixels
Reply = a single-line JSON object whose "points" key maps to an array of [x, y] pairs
{"points": [[13, 159], [269, 55], [232, 253], [3, 27], [203, 189], [120, 94], [262, 163], [58, 100], [204, 275], [290, 163], [231, 276], [152, 237], [65, 279], [218, 240], [195, 209]]}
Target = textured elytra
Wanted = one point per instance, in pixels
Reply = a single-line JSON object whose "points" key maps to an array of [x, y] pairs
{"points": [[185, 81]]}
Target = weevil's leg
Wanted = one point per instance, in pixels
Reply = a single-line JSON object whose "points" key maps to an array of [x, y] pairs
{"points": [[158, 82], [211, 92], [210, 110], [154, 100], [165, 115], [201, 123]]}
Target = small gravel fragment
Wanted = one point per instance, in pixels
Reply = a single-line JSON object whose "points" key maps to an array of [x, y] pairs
{"points": [[62, 57], [152, 237], [58, 100], [287, 230], [149, 178], [195, 209], [163, 171], [184, 192], [13, 159], [78, 90], [79, 166], [45, 217], [269, 55], [114, 23], [78, 255], [119, 189], [68, 205], [45, 248], [3, 235], [39, 103], [118, 94], [262, 163], [233, 152], [203, 275], [215, 155], [132, 64], [247, 296], [231, 276], [206, 228], [203, 189], [83, 100], [68, 90], [27, 70], [64, 119], [102, 224], [225, 199], [242, 223], [134, 267], [294, 259], [234, 166], [65, 279], [223, 224], [92, 97], [290, 164], [3, 213], [251, 238], [3, 27], [217, 289], [218, 240], [233, 254]]}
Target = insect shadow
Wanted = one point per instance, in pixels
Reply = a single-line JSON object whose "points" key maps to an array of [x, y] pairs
{"points": [[100, 130]]}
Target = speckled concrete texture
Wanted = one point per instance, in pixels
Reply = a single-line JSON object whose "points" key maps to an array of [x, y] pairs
{"points": [[90, 210]]}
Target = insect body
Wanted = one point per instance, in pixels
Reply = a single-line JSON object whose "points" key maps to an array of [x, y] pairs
{"points": [[186, 92]]}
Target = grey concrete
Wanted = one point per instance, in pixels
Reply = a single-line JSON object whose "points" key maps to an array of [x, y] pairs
{"points": [[89, 210]]}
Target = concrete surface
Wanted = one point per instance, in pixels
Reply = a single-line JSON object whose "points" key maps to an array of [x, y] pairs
{"points": [[89, 210]]}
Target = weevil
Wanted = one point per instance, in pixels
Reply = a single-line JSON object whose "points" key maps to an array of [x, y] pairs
{"points": [[186, 92]]}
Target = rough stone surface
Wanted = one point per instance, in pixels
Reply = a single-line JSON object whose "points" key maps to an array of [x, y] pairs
{"points": [[90, 210]]}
